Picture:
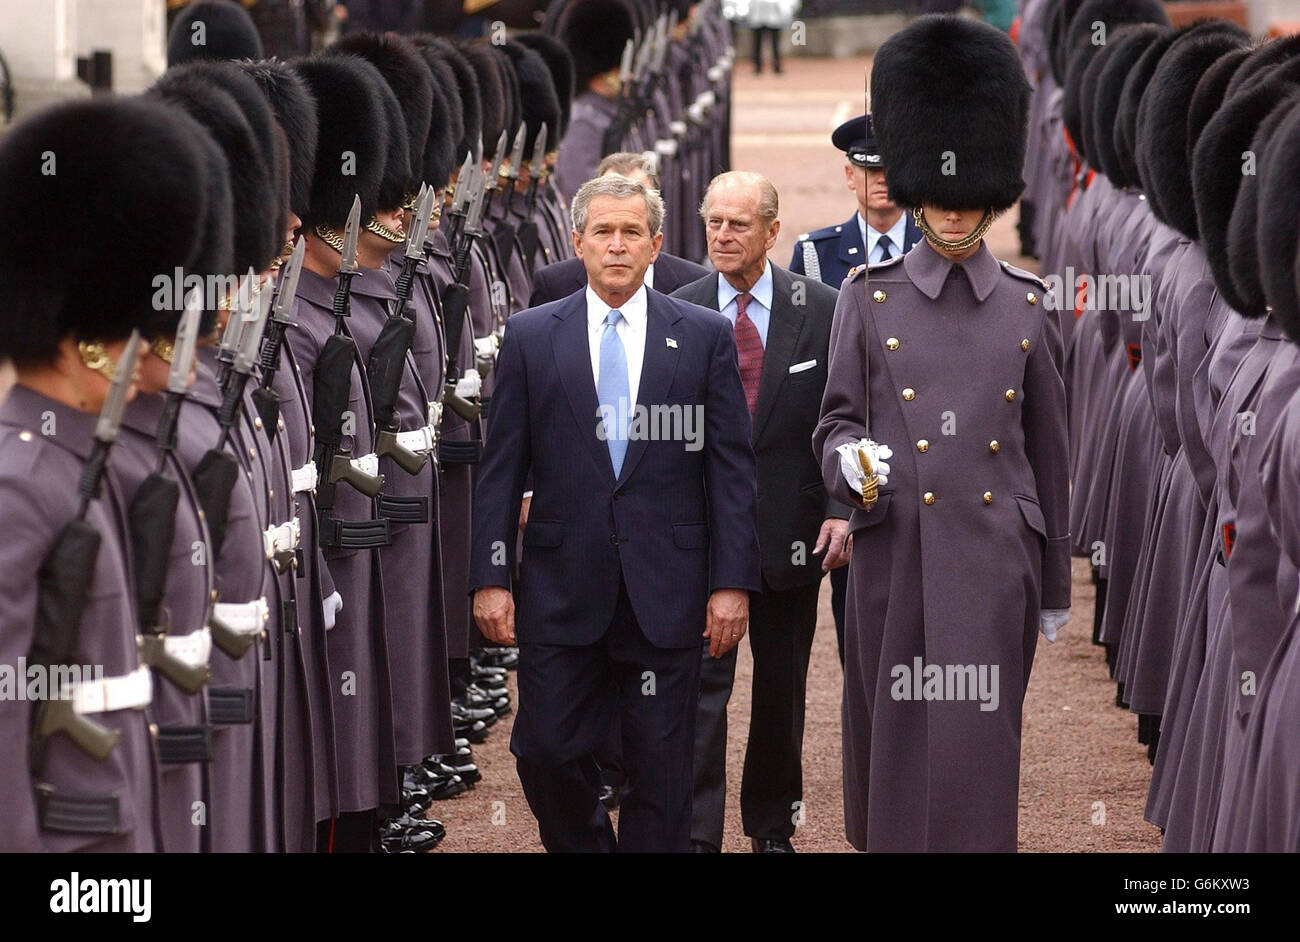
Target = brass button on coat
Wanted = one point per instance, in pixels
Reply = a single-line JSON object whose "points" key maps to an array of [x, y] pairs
{"points": [[1024, 345], [878, 296], [993, 446], [923, 446], [928, 497], [1011, 395], [257, 423], [892, 343], [1031, 298], [988, 497], [909, 394]]}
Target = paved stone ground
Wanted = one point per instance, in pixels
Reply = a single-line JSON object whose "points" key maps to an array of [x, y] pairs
{"points": [[1083, 775]]}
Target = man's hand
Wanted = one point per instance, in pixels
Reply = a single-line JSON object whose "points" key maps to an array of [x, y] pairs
{"points": [[833, 539], [494, 610], [728, 617]]}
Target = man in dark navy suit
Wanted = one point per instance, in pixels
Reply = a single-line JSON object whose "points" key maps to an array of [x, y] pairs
{"points": [[877, 232], [666, 274], [625, 410]]}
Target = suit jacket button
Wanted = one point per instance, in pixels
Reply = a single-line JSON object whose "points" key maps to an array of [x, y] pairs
{"points": [[613, 538], [928, 497], [1011, 395], [909, 394], [892, 343]]}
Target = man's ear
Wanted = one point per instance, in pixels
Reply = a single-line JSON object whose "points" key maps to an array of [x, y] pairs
{"points": [[658, 243], [771, 235], [849, 178], [577, 242]]}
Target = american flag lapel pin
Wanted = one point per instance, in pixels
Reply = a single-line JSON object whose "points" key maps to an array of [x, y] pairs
{"points": [[671, 342]]}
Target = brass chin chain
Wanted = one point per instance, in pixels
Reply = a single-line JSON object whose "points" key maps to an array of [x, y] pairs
{"points": [[331, 238], [163, 348], [95, 357], [961, 244], [395, 236], [285, 254]]}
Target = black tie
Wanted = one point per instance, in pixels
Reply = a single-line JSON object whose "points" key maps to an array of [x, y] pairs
{"points": [[885, 254]]}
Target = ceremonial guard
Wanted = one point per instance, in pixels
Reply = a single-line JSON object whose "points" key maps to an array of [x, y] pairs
{"points": [[81, 772], [953, 360]]}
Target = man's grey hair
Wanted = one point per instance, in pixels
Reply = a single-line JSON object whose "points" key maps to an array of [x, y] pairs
{"points": [[620, 188], [624, 162], [768, 203]]}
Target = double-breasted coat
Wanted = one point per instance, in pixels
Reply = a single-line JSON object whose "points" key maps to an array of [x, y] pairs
{"points": [[965, 546]]}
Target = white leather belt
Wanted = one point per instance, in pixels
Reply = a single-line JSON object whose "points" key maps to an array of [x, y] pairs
{"points": [[678, 128], [245, 618], [367, 464], [133, 691], [195, 648], [435, 415], [419, 440], [304, 478], [666, 148], [281, 538]]}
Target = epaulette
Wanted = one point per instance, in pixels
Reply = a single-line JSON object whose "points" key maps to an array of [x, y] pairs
{"points": [[818, 234], [892, 260], [1023, 275]]}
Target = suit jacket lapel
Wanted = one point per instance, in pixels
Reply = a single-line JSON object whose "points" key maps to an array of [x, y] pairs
{"points": [[657, 369], [782, 336], [852, 251], [573, 360]]}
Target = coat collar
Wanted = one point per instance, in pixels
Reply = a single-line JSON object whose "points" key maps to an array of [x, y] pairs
{"points": [[929, 270], [73, 430]]}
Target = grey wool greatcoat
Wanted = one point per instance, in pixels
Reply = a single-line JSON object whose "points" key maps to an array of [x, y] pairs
{"points": [[183, 610], [38, 498], [239, 805], [357, 644], [417, 639], [965, 546]]}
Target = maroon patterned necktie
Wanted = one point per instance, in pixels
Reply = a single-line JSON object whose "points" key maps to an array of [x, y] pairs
{"points": [[749, 351]]}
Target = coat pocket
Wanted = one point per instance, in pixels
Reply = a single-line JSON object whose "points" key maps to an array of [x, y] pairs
{"points": [[1033, 514], [691, 535], [544, 533]]}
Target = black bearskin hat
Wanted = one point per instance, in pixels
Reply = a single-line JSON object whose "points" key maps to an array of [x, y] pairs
{"points": [[295, 108], [950, 108], [213, 29]]}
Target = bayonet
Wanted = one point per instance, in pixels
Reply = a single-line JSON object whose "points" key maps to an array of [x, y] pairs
{"points": [[347, 265], [414, 248], [537, 167], [516, 160], [178, 377]]}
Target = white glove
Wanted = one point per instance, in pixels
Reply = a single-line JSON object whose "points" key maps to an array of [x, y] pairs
{"points": [[486, 347], [333, 605], [469, 385], [851, 467], [1050, 620]]}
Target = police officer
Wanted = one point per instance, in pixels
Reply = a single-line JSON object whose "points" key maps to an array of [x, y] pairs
{"points": [[949, 358], [877, 232]]}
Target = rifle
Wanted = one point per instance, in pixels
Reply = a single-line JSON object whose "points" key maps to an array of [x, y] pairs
{"points": [[332, 384], [151, 518], [265, 399], [528, 235], [387, 363], [63, 583], [455, 299], [503, 231]]}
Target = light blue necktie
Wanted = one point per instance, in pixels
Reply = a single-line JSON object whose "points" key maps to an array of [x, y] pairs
{"points": [[612, 390]]}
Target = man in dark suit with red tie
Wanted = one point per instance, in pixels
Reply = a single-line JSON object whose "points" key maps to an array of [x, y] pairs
{"points": [[782, 326], [624, 409]]}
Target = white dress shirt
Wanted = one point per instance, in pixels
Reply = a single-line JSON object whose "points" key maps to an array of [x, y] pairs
{"points": [[759, 309], [650, 276], [871, 238], [631, 330]]}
